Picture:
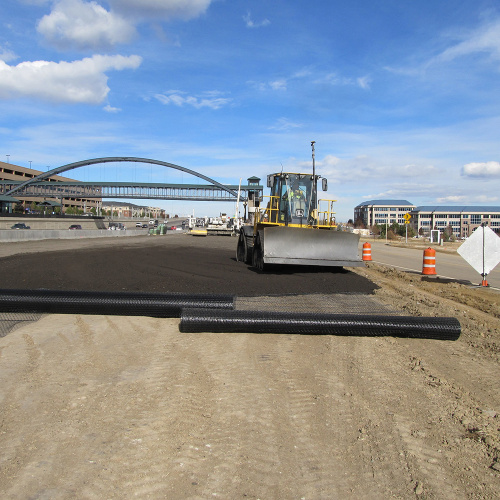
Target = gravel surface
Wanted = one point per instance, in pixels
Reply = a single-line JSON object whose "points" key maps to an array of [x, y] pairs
{"points": [[118, 407]]}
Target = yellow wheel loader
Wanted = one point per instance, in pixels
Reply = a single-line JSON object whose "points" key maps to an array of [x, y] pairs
{"points": [[293, 227]]}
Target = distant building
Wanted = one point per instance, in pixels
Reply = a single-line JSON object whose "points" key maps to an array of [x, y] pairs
{"points": [[463, 219], [123, 209], [382, 212], [11, 172]]}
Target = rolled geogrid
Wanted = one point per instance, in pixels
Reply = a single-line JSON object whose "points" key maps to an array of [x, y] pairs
{"points": [[164, 305], [204, 320]]}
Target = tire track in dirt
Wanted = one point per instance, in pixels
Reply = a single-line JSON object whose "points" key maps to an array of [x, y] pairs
{"points": [[136, 419], [244, 437], [355, 425], [378, 387], [312, 424], [424, 422]]}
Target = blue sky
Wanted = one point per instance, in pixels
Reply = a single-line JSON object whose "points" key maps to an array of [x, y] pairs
{"points": [[402, 98]]}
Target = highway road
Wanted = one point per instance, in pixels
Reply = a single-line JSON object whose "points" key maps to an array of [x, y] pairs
{"points": [[448, 265]]}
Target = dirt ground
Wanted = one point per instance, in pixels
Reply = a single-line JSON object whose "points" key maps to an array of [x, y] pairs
{"points": [[119, 407]]}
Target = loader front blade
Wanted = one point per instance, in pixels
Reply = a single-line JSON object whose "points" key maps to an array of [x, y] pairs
{"points": [[309, 246]]}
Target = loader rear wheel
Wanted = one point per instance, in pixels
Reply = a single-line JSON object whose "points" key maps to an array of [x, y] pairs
{"points": [[258, 254], [242, 253]]}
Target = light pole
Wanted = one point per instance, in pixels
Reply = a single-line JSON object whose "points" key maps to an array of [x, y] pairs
{"points": [[8, 158]]}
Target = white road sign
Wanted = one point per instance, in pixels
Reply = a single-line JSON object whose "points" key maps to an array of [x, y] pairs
{"points": [[481, 250]]}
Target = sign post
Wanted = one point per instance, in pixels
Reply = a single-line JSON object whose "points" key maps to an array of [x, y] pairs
{"points": [[407, 217]]}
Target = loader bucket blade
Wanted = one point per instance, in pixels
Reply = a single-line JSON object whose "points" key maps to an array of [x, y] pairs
{"points": [[310, 247]]}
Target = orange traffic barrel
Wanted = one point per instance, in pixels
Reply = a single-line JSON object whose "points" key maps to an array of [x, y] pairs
{"points": [[367, 251], [429, 266]]}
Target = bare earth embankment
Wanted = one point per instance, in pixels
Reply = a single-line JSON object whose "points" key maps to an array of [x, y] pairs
{"points": [[127, 407]]}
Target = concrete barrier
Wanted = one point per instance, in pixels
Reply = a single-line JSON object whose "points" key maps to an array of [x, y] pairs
{"points": [[12, 235]]}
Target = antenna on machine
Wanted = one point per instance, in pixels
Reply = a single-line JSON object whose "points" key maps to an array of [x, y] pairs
{"points": [[313, 157]]}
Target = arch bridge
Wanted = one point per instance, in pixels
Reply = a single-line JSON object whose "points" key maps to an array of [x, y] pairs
{"points": [[40, 187]]}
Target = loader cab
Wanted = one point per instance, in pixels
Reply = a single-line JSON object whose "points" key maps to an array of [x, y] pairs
{"points": [[293, 198]]}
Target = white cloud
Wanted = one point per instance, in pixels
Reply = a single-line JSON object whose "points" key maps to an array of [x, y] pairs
{"points": [[178, 98], [371, 169], [469, 199], [334, 79], [87, 25], [482, 170], [305, 74], [486, 38], [166, 9], [7, 55], [252, 24], [408, 191], [364, 82], [82, 81], [284, 124], [84, 25], [278, 84], [486, 199], [111, 109], [452, 199]]}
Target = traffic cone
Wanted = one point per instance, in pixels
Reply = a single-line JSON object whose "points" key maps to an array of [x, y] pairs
{"points": [[429, 265]]}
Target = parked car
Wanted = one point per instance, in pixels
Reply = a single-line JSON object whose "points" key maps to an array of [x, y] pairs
{"points": [[75, 226], [138, 224], [20, 225], [145, 226]]}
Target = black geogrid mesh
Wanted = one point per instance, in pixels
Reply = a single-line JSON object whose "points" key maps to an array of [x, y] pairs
{"points": [[204, 320], [11, 321], [333, 303], [315, 314], [109, 303]]}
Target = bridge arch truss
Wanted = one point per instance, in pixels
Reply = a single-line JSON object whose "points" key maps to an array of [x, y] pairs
{"points": [[38, 187]]}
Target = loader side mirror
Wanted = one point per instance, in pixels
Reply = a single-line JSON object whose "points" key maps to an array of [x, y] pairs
{"points": [[270, 181], [324, 184]]}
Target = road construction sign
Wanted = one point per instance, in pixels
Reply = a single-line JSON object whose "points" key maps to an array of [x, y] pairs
{"points": [[481, 250]]}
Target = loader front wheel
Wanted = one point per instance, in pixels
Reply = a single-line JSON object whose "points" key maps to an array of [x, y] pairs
{"points": [[258, 254], [242, 254]]}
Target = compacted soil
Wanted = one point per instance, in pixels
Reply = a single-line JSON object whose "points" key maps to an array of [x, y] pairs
{"points": [[128, 407]]}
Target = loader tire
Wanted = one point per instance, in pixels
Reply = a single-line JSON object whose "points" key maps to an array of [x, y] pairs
{"points": [[258, 253], [242, 253]]}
